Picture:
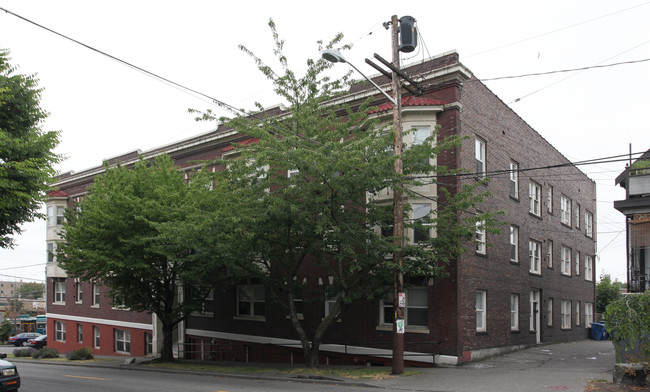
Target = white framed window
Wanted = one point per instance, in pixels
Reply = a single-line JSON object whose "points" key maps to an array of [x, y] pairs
{"points": [[80, 333], [566, 261], [250, 301], [329, 306], [96, 336], [535, 252], [416, 313], [549, 254], [534, 194], [514, 244], [51, 251], [59, 331], [578, 304], [421, 229], [589, 268], [59, 291], [589, 314], [480, 154], [79, 288], [549, 199], [589, 224], [481, 310], [565, 210], [420, 134], [148, 341], [514, 312], [55, 215], [577, 218], [565, 312], [514, 179], [96, 294], [481, 247], [577, 263], [122, 341], [549, 312]]}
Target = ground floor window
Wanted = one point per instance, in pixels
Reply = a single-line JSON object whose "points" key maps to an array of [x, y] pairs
{"points": [[565, 311], [122, 341], [250, 301], [148, 343], [514, 312], [481, 307], [416, 313], [80, 333], [549, 312], [589, 315], [96, 336], [59, 329]]}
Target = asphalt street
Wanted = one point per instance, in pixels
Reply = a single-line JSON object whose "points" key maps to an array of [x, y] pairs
{"points": [[556, 367]]}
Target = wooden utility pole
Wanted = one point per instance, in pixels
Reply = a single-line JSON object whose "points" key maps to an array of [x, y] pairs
{"points": [[398, 213]]}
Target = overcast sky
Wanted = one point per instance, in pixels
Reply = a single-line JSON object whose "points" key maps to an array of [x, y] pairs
{"points": [[104, 108]]}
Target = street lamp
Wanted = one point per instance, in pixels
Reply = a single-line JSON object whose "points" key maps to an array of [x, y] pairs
{"points": [[399, 299]]}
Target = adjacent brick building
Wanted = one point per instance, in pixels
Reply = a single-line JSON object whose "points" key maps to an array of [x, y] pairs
{"points": [[532, 283]]}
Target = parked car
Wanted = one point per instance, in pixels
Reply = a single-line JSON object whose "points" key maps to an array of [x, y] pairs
{"points": [[38, 342], [9, 377], [22, 338]]}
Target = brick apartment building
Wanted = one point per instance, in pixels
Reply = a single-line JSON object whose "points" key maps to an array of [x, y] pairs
{"points": [[532, 283]]}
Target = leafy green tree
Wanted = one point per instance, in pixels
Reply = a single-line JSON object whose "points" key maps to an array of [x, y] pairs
{"points": [[140, 232], [606, 292], [628, 322], [5, 330], [31, 290], [306, 197], [26, 152]]}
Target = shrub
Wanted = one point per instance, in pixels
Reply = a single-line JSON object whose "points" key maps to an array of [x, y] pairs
{"points": [[23, 352], [628, 322], [81, 354], [45, 353]]}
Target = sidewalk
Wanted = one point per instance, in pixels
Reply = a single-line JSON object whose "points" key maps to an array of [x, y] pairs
{"points": [[557, 367]]}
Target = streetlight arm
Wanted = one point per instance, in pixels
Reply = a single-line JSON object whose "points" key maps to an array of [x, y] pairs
{"points": [[391, 99]]}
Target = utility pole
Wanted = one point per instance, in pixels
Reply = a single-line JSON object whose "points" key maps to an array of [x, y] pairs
{"points": [[398, 214]]}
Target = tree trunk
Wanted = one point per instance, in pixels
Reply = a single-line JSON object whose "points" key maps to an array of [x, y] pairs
{"points": [[167, 352], [311, 355]]}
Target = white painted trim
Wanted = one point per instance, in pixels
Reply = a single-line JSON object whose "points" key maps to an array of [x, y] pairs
{"points": [[93, 320], [337, 348]]}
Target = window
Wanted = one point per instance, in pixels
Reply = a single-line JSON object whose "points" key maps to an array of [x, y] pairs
{"points": [[549, 199], [514, 180], [565, 207], [329, 306], [250, 301], [566, 261], [514, 244], [534, 194], [589, 314], [514, 312], [589, 268], [79, 296], [565, 311], [59, 291], [480, 238], [59, 328], [80, 333], [122, 341], [51, 252], [480, 158], [96, 336], [549, 254], [416, 313], [549, 312], [535, 251], [55, 215], [420, 134], [148, 341], [577, 263], [481, 307], [589, 224], [95, 294], [578, 313], [421, 231], [577, 210]]}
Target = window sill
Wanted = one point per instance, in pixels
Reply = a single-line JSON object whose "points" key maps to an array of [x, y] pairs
{"points": [[481, 333], [94, 306], [566, 275], [514, 262], [58, 303], [480, 254], [202, 314], [515, 331], [389, 328], [300, 316], [515, 198], [533, 273], [78, 302], [534, 215], [250, 318]]}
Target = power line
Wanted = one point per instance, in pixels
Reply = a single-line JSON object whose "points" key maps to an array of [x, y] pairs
{"points": [[558, 71], [21, 277]]}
